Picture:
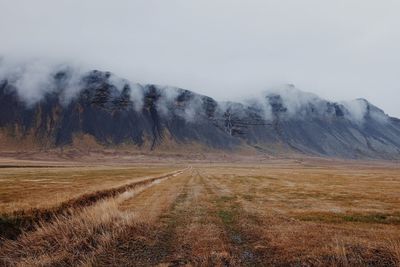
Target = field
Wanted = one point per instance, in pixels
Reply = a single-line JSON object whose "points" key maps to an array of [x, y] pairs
{"points": [[273, 213]]}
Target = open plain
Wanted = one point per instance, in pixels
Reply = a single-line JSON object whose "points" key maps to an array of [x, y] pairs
{"points": [[276, 212]]}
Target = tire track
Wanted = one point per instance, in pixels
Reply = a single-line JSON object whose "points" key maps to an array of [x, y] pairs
{"points": [[235, 222], [186, 231], [198, 235], [149, 239]]}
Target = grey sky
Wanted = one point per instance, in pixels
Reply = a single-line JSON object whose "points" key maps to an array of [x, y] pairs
{"points": [[340, 49]]}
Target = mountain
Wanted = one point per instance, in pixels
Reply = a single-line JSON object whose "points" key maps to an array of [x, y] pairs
{"points": [[99, 108]]}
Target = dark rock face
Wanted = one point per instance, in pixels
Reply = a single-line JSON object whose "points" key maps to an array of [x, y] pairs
{"points": [[124, 113], [110, 115]]}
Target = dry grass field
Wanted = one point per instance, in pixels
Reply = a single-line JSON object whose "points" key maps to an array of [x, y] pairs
{"points": [[46, 186], [275, 213]]}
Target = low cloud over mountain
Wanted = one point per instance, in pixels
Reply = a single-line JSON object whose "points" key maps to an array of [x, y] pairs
{"points": [[52, 105]]}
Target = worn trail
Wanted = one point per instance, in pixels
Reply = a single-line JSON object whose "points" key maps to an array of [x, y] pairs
{"points": [[12, 225], [86, 230]]}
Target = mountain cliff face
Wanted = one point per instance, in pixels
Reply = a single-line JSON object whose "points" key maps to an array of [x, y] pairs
{"points": [[114, 111]]}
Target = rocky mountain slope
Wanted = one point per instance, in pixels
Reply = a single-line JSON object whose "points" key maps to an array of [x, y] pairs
{"points": [[112, 112]]}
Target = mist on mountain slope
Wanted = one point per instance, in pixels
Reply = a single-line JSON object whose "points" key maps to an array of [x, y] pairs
{"points": [[33, 79]]}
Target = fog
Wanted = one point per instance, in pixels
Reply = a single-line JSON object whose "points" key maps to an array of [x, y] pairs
{"points": [[33, 80], [227, 49]]}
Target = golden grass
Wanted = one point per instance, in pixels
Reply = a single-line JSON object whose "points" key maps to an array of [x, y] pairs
{"points": [[76, 238], [27, 188], [68, 240], [311, 215], [282, 213]]}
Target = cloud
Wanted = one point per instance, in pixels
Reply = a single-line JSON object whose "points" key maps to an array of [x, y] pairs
{"points": [[189, 108], [136, 91], [194, 109], [294, 99], [166, 100], [356, 110], [291, 103], [225, 49], [34, 78]]}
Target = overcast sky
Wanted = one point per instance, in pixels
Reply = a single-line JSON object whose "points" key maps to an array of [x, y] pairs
{"points": [[340, 50]]}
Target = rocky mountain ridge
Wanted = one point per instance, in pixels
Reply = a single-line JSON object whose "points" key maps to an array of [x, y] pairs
{"points": [[114, 111]]}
